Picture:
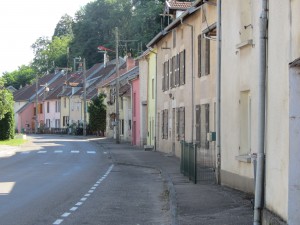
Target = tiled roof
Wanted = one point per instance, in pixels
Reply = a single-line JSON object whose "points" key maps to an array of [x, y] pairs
{"points": [[174, 4]]}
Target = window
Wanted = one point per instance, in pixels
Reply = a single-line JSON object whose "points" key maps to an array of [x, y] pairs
{"points": [[134, 104], [121, 127], [57, 106], [245, 123], [152, 88], [180, 124], [171, 73], [65, 121], [48, 107], [165, 77], [176, 66], [182, 67], [48, 123], [202, 125], [121, 103], [65, 102], [40, 108], [57, 123], [174, 38], [203, 56], [165, 124]]}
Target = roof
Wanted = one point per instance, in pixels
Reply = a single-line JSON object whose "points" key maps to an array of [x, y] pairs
{"points": [[194, 7], [174, 4]]}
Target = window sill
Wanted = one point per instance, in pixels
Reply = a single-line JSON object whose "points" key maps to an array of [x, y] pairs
{"points": [[244, 158], [244, 44]]}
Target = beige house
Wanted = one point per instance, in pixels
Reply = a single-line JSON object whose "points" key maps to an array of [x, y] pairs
{"points": [[186, 55], [260, 110]]}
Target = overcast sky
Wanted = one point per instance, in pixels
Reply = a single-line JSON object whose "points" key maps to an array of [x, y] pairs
{"points": [[22, 22]]}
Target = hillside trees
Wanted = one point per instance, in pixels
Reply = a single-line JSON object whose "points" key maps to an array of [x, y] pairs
{"points": [[19, 78]]}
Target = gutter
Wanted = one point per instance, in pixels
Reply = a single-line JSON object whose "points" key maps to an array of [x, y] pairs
{"points": [[260, 176], [218, 92]]}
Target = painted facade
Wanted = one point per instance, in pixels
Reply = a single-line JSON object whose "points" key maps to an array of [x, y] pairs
{"points": [[239, 104], [136, 108], [151, 95], [143, 94], [186, 53]]}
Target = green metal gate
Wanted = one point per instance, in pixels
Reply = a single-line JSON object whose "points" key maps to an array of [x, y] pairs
{"points": [[188, 163]]}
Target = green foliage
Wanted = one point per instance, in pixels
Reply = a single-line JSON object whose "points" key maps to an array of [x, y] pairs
{"points": [[7, 126], [6, 100], [41, 61], [64, 27], [97, 111], [24, 75]]}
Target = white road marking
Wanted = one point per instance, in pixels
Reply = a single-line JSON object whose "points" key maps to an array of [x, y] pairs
{"points": [[74, 151], [58, 151], [91, 152], [65, 214], [25, 152], [41, 152], [59, 221]]}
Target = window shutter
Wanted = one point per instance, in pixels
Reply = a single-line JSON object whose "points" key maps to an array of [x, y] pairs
{"points": [[206, 124], [199, 56], [163, 77], [166, 123], [207, 56], [177, 71], [171, 73], [198, 110], [177, 123], [162, 124], [182, 123], [167, 75], [182, 67]]}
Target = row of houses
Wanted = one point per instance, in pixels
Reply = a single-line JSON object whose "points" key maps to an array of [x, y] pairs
{"points": [[229, 68]]}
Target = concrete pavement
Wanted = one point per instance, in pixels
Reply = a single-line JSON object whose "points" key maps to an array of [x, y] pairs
{"points": [[190, 204]]}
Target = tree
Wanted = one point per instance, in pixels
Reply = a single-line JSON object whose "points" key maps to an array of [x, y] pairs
{"points": [[41, 60], [97, 111], [64, 27], [7, 130], [17, 78]]}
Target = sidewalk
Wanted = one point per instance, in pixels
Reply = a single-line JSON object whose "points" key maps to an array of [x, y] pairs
{"points": [[190, 204]]}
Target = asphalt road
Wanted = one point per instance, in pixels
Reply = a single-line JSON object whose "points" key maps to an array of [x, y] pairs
{"points": [[70, 180]]}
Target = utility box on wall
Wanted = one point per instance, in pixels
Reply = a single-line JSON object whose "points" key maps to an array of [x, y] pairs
{"points": [[211, 136]]}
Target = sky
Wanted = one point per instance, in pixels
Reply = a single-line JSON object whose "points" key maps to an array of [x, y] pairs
{"points": [[23, 22]]}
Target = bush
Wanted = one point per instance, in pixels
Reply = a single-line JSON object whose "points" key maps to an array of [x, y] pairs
{"points": [[7, 126]]}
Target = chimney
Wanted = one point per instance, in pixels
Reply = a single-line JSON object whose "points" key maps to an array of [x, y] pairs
{"points": [[106, 59], [130, 62]]}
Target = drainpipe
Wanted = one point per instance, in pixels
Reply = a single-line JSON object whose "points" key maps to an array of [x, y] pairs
{"points": [[218, 94], [193, 76], [259, 184]]}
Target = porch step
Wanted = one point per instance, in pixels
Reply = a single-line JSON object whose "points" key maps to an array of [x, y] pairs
{"points": [[148, 147]]}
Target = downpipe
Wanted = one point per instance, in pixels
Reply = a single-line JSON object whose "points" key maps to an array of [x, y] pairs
{"points": [[259, 184]]}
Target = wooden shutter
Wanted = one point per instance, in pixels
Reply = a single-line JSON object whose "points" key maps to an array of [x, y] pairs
{"points": [[199, 56], [182, 123], [163, 77], [207, 56], [177, 70], [171, 73], [182, 67], [166, 124], [162, 124], [167, 75], [206, 124], [198, 110], [177, 123]]}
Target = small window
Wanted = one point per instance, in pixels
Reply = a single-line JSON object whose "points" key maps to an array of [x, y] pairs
{"points": [[174, 38], [203, 55]]}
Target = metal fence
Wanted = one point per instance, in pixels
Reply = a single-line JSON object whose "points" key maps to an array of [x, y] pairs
{"points": [[188, 165], [198, 163]]}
